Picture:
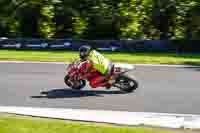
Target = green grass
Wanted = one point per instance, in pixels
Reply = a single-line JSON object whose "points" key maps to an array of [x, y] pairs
{"points": [[66, 56], [18, 124]]}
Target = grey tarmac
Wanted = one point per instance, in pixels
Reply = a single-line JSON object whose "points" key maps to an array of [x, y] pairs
{"points": [[161, 89]]}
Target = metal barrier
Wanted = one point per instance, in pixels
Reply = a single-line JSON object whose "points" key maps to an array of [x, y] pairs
{"points": [[104, 45]]}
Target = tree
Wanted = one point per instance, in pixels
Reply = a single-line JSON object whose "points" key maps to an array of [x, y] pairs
{"points": [[101, 19], [187, 20], [164, 12]]}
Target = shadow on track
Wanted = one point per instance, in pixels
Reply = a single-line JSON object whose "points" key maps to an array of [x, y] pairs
{"points": [[69, 93]]}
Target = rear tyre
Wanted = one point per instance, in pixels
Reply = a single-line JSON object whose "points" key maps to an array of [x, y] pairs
{"points": [[127, 83]]}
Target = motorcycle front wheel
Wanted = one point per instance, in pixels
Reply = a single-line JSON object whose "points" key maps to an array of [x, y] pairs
{"points": [[77, 86]]}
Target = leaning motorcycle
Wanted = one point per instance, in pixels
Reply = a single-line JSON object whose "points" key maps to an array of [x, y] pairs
{"points": [[122, 80]]}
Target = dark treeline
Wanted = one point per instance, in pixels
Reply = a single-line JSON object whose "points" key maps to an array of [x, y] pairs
{"points": [[100, 19]]}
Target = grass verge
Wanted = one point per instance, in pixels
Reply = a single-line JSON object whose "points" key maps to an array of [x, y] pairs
{"points": [[14, 124], [63, 56]]}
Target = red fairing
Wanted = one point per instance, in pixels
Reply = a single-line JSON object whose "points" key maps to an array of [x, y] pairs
{"points": [[92, 76], [86, 72], [72, 72]]}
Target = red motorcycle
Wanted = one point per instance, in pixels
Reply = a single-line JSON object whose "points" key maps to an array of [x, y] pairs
{"points": [[75, 79]]}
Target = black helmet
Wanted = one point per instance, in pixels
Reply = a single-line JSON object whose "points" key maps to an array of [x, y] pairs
{"points": [[84, 51]]}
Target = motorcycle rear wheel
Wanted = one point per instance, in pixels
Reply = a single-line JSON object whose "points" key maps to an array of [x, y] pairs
{"points": [[126, 83]]}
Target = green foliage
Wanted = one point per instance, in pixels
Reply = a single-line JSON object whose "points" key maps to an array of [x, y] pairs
{"points": [[101, 19]]}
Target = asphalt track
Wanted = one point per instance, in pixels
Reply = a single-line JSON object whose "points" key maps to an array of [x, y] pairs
{"points": [[161, 89]]}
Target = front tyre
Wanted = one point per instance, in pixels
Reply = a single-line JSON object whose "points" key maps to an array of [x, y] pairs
{"points": [[127, 83], [77, 85]]}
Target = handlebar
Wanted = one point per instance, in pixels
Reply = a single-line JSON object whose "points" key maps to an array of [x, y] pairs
{"points": [[77, 63]]}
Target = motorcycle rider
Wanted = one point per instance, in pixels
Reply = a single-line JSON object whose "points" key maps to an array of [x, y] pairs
{"points": [[98, 62]]}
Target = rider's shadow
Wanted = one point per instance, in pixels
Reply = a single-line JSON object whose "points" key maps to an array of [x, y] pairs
{"points": [[69, 93]]}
